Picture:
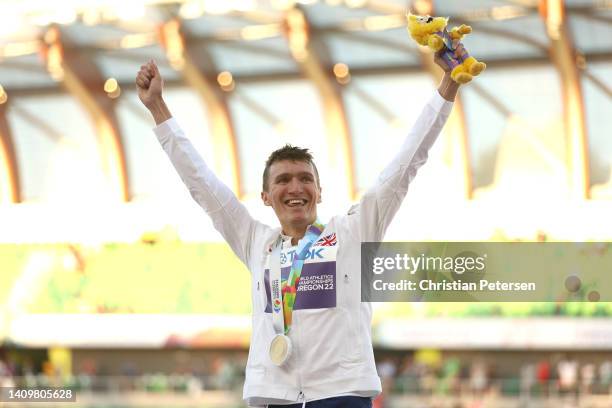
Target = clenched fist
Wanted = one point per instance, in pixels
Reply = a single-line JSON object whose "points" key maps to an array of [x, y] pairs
{"points": [[150, 84]]}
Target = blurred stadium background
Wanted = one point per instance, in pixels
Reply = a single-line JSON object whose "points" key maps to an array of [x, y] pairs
{"points": [[113, 282]]}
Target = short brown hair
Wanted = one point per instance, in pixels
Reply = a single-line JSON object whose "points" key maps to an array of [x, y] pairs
{"points": [[289, 152]]}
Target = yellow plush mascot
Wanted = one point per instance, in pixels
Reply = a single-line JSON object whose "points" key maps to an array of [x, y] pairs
{"points": [[431, 32]]}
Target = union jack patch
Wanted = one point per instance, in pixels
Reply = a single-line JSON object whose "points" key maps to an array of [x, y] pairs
{"points": [[328, 240]]}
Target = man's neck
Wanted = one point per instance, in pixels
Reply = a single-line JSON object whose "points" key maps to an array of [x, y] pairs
{"points": [[295, 232], [295, 235]]}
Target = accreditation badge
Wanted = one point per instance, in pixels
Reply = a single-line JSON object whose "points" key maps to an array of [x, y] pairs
{"points": [[280, 349]]}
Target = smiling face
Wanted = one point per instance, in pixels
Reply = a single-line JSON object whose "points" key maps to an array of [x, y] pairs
{"points": [[293, 192]]}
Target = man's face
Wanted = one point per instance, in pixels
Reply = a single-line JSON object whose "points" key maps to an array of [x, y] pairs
{"points": [[293, 193]]}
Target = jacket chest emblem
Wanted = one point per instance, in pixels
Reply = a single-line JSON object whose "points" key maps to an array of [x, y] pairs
{"points": [[328, 240]]}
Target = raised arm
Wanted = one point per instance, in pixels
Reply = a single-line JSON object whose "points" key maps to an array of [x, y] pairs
{"points": [[228, 214], [380, 203]]}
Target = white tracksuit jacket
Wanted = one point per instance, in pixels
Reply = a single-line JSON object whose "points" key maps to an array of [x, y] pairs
{"points": [[331, 334]]}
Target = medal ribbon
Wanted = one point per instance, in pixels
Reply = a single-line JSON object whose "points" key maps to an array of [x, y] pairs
{"points": [[288, 291]]}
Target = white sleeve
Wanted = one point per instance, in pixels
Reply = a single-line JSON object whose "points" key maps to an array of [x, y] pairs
{"points": [[230, 217], [380, 203]]}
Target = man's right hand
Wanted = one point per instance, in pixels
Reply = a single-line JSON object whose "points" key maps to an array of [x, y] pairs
{"points": [[150, 84]]}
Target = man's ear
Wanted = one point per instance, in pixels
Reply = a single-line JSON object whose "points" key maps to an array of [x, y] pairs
{"points": [[265, 197], [320, 195]]}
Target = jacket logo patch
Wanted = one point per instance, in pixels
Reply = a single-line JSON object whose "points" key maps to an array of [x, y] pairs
{"points": [[328, 240], [277, 305]]}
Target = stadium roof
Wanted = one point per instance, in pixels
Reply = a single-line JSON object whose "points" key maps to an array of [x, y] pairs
{"points": [[237, 58], [247, 38]]}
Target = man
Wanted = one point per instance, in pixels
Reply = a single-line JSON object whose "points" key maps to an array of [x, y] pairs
{"points": [[311, 342]]}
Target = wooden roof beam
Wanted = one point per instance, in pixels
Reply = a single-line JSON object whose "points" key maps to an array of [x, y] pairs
{"points": [[10, 189], [79, 74], [564, 57], [199, 71]]}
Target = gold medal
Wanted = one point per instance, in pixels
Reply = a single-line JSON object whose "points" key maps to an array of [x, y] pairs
{"points": [[280, 349]]}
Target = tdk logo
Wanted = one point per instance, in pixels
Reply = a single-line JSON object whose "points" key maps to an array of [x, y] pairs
{"points": [[314, 253]]}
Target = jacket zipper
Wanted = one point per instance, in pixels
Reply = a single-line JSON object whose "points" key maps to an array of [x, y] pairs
{"points": [[301, 396]]}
